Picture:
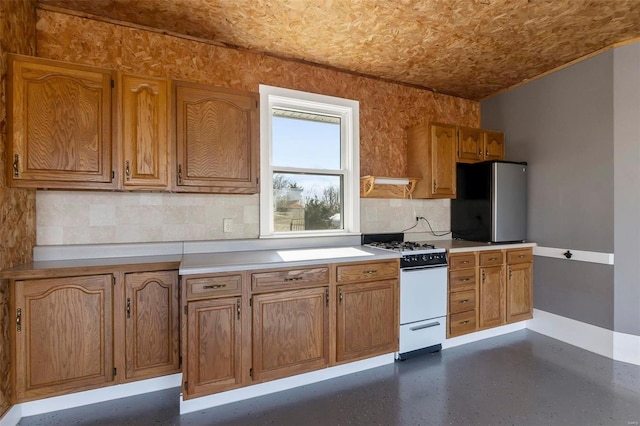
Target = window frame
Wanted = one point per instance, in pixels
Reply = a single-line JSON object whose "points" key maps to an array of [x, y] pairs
{"points": [[349, 112]]}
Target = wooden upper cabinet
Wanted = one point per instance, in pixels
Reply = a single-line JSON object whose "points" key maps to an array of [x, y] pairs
{"points": [[60, 133], [63, 330], [152, 327], [493, 145], [470, 145], [431, 154], [216, 139], [145, 113]]}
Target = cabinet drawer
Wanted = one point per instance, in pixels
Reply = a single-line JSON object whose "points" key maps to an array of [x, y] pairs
{"points": [[367, 271], [491, 258], [462, 261], [204, 287], [289, 278], [462, 280], [520, 256], [462, 323], [462, 301]]}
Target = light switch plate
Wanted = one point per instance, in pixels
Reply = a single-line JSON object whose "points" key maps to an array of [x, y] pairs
{"points": [[227, 225]]}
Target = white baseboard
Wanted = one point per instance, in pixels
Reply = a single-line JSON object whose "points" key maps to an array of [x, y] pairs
{"points": [[93, 396], [253, 391], [617, 346], [483, 334], [11, 417]]}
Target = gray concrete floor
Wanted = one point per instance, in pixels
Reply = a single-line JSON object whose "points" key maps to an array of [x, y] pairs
{"points": [[521, 378]]}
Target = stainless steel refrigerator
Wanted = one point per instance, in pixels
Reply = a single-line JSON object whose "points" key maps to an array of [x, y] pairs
{"points": [[491, 202]]}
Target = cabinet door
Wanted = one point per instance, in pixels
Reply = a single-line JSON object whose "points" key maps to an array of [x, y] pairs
{"points": [[144, 132], [214, 343], [443, 160], [60, 118], [368, 320], [217, 139], [491, 296], [470, 145], [152, 324], [290, 333], [493, 145], [519, 292], [64, 335]]}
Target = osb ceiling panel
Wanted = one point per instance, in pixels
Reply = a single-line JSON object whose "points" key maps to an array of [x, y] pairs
{"points": [[466, 48]]}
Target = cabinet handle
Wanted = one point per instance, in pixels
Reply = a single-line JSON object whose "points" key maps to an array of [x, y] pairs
{"points": [[435, 185], [510, 272], [293, 279], [238, 307], [16, 160], [483, 276], [493, 258], [179, 174], [464, 262], [479, 153], [371, 271], [422, 327], [127, 171], [520, 256], [486, 153], [326, 296], [464, 280], [340, 295], [19, 319], [464, 301], [465, 322], [213, 287], [128, 307]]}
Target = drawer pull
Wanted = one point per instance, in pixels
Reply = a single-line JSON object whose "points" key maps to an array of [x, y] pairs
{"points": [[293, 279], [422, 327], [521, 256], [371, 271], [464, 280], [464, 322], [464, 301], [493, 258], [464, 262], [213, 287]]}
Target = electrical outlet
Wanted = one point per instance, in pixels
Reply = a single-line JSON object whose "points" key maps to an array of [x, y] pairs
{"points": [[227, 225]]}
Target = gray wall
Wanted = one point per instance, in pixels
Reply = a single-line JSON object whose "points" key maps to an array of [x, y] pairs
{"points": [[627, 187], [562, 125]]}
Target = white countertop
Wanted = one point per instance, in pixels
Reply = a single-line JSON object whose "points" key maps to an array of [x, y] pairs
{"points": [[206, 263], [460, 246]]}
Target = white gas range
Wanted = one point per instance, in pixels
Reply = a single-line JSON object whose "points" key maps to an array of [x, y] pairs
{"points": [[423, 292]]}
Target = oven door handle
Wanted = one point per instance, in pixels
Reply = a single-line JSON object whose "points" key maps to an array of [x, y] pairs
{"points": [[421, 327]]}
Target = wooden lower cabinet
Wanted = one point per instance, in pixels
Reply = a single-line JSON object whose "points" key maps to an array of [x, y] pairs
{"points": [[214, 345], [63, 334], [290, 332], [519, 292], [152, 329], [491, 292], [367, 320]]}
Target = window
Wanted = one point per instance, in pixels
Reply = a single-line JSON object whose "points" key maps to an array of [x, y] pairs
{"points": [[310, 164]]}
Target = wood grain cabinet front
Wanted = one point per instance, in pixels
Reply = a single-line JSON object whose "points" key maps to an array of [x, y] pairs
{"points": [[144, 116], [431, 153], [519, 285], [463, 294], [60, 130], [216, 139], [63, 333], [152, 324], [290, 333], [283, 279]]}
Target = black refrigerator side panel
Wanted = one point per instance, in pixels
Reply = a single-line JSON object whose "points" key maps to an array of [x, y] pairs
{"points": [[471, 209]]}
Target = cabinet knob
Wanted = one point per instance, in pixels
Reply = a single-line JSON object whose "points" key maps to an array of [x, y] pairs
{"points": [[16, 160], [19, 319], [127, 171], [128, 307]]}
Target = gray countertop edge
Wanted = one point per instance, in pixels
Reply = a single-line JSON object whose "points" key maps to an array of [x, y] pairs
{"points": [[459, 246], [208, 263]]}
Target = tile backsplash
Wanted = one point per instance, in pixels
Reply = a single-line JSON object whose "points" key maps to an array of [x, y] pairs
{"points": [[81, 217]]}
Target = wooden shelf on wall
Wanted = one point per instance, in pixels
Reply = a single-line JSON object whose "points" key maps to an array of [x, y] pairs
{"points": [[386, 187]]}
